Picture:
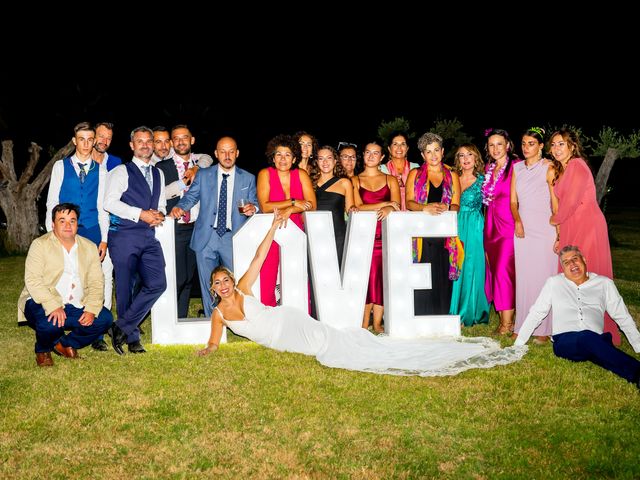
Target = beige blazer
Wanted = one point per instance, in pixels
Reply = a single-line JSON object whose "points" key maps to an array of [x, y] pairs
{"points": [[44, 267]]}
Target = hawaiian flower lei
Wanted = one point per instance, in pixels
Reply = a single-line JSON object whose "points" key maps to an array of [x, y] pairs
{"points": [[488, 190]]}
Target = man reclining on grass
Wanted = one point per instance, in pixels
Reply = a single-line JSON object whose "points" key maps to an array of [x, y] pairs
{"points": [[579, 300]]}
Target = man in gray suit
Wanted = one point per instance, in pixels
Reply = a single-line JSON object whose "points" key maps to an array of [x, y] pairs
{"points": [[219, 190]]}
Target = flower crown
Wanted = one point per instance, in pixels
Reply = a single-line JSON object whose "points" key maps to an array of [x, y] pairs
{"points": [[539, 130], [495, 131]]}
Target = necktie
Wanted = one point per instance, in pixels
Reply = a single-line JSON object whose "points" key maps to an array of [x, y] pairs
{"points": [[147, 176], [83, 173], [222, 207], [186, 218]]}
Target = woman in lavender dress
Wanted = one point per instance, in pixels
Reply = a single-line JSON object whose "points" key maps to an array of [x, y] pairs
{"points": [[534, 235]]}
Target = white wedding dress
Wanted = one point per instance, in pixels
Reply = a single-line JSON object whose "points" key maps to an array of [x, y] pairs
{"points": [[292, 330]]}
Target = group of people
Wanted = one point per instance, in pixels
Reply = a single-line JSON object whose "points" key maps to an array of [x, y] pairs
{"points": [[531, 208]]}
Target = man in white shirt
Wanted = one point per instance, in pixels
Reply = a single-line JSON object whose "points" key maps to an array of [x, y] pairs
{"points": [[579, 300], [136, 201], [63, 289]]}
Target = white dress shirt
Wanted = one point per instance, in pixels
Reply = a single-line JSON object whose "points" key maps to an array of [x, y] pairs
{"points": [[55, 184], [179, 188], [580, 307], [70, 285], [230, 205], [118, 183]]}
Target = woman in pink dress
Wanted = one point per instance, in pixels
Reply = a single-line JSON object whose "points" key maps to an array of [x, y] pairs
{"points": [[534, 236], [375, 191], [285, 187], [500, 281], [578, 215]]}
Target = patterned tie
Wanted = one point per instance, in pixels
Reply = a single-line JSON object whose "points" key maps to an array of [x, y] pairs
{"points": [[147, 176], [83, 173], [222, 207], [186, 218]]}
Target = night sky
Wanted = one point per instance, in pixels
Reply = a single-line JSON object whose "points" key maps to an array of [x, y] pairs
{"points": [[255, 104]]}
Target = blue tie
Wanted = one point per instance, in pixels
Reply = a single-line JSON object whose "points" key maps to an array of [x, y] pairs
{"points": [[83, 174], [147, 176], [221, 229]]}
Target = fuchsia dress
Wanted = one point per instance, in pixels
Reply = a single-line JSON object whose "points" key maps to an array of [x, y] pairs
{"points": [[374, 293], [582, 224], [269, 271], [499, 227]]}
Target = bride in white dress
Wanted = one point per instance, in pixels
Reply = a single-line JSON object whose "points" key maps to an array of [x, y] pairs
{"points": [[290, 329]]}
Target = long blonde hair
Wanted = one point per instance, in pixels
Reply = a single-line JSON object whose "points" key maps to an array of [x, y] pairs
{"points": [[478, 166]]}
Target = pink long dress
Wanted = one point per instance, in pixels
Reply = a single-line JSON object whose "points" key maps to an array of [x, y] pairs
{"points": [[269, 271], [500, 281], [582, 224], [535, 260], [375, 293]]}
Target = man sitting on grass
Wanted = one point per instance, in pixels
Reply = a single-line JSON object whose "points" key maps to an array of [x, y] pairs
{"points": [[579, 300], [64, 289]]}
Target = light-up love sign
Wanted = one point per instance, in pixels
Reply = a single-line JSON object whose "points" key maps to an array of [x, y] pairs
{"points": [[339, 296]]}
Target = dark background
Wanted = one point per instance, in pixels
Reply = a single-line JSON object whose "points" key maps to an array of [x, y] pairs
{"points": [[256, 103]]}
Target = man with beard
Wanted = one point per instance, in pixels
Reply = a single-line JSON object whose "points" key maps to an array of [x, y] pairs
{"points": [[136, 200], [179, 172], [107, 162]]}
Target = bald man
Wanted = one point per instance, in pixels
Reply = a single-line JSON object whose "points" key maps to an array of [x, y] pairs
{"points": [[212, 239]]}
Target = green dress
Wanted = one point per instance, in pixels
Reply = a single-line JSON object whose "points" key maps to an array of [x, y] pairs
{"points": [[468, 298]]}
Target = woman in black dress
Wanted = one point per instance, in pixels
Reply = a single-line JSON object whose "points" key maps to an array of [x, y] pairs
{"points": [[334, 192]]}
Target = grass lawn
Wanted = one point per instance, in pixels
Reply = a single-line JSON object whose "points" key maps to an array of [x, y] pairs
{"points": [[248, 412]]}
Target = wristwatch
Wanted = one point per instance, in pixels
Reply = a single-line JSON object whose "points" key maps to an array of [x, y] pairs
{"points": [[293, 202]]}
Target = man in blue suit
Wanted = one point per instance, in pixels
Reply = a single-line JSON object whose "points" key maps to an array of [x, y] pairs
{"points": [[219, 218]]}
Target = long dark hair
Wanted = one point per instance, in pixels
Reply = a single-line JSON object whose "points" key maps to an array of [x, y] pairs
{"points": [[510, 147]]}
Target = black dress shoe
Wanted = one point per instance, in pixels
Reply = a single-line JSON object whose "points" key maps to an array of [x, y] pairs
{"points": [[136, 347], [118, 338], [100, 345]]}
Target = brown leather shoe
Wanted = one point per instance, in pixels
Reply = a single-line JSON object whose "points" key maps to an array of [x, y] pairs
{"points": [[63, 351], [43, 359]]}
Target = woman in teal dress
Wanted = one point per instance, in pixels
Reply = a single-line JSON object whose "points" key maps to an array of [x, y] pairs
{"points": [[468, 298]]}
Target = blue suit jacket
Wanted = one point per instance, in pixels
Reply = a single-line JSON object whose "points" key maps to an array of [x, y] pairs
{"points": [[205, 190]]}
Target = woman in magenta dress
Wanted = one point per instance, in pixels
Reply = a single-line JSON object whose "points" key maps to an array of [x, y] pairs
{"points": [[287, 188], [500, 282], [534, 236], [375, 191], [578, 215]]}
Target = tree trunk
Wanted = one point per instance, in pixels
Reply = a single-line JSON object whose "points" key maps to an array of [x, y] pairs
{"points": [[603, 172], [18, 197]]}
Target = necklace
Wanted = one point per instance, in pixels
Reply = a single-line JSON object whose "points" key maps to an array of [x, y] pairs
{"points": [[489, 185]]}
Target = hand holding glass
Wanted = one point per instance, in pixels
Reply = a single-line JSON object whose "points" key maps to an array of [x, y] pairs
{"points": [[243, 202]]}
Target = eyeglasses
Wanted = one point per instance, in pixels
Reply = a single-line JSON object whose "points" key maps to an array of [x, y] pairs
{"points": [[342, 145], [351, 158]]}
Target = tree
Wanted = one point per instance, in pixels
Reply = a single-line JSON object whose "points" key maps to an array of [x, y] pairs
{"points": [[611, 145], [18, 197], [398, 124], [451, 130]]}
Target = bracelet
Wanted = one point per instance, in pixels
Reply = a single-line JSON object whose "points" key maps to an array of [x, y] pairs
{"points": [[293, 202]]}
